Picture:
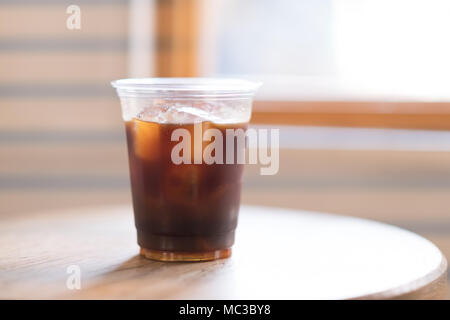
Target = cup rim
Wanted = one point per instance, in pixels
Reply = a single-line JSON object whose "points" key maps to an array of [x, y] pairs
{"points": [[187, 87]]}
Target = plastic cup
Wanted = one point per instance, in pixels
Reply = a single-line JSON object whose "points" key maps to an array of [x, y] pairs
{"points": [[188, 210]]}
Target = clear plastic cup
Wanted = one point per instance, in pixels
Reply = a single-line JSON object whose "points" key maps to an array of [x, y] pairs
{"points": [[188, 210]]}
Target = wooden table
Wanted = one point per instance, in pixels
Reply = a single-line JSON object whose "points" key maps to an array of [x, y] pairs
{"points": [[278, 253]]}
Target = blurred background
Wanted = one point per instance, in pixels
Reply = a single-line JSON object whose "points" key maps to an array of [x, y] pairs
{"points": [[359, 88]]}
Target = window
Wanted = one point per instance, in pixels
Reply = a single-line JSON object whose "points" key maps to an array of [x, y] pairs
{"points": [[331, 49]]}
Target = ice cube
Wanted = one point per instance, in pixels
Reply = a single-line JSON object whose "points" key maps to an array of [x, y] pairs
{"points": [[179, 113], [196, 114], [146, 140], [154, 114], [181, 184]]}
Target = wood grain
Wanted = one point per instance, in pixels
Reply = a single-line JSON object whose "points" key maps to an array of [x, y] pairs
{"points": [[305, 256]]}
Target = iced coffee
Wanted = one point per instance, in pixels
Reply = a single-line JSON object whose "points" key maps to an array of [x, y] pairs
{"points": [[185, 211]]}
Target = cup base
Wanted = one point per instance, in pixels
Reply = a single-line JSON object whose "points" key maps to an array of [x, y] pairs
{"points": [[178, 256]]}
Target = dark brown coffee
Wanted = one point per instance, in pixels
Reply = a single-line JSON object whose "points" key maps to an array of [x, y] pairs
{"points": [[185, 208]]}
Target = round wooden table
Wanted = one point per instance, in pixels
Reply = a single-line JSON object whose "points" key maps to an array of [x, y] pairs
{"points": [[278, 254]]}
